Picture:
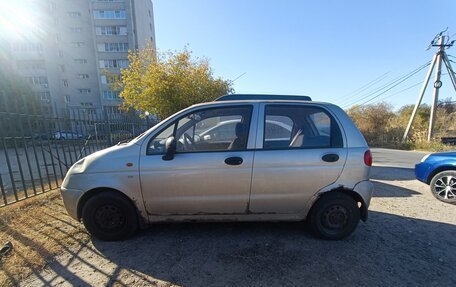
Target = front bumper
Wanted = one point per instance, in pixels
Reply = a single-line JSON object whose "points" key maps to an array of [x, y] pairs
{"points": [[71, 199], [422, 172]]}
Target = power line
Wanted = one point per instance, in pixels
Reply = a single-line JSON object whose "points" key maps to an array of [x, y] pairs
{"points": [[363, 88], [405, 79], [399, 92], [390, 85]]}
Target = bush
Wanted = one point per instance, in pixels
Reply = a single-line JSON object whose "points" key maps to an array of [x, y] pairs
{"points": [[383, 127]]}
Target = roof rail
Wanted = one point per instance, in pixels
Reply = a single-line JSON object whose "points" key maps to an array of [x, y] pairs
{"points": [[236, 97]]}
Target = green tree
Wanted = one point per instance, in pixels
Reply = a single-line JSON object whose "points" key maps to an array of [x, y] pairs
{"points": [[167, 83]]}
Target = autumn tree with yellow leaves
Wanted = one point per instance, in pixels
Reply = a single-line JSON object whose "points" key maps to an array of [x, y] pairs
{"points": [[168, 82]]}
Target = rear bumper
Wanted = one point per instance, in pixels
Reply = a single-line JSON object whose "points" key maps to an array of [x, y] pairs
{"points": [[365, 189]]}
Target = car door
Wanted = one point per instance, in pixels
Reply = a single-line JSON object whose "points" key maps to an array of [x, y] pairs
{"points": [[292, 166], [206, 175]]}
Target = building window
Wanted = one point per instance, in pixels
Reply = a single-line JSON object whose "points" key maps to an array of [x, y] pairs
{"points": [[65, 83], [30, 65], [62, 68], [67, 99], [120, 63], [37, 80], [110, 95], [77, 44], [74, 14], [83, 76], [76, 29], [27, 47], [109, 80], [87, 105], [43, 96], [113, 47], [111, 30], [84, 91], [109, 14], [80, 61]]}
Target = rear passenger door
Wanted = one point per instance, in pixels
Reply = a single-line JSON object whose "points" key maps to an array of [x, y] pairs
{"points": [[299, 151]]}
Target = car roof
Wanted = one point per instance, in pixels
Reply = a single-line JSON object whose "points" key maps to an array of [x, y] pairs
{"points": [[261, 101], [237, 97]]}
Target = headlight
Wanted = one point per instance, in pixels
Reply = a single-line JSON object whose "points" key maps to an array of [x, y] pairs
{"points": [[78, 167], [425, 157]]}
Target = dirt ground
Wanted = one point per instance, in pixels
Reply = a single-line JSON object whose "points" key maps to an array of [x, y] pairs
{"points": [[409, 240]]}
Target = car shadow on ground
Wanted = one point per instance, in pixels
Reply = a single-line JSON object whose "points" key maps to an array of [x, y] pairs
{"points": [[387, 190], [387, 250], [392, 173], [382, 176]]}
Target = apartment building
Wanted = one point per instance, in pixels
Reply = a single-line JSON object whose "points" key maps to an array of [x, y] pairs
{"points": [[65, 56]]}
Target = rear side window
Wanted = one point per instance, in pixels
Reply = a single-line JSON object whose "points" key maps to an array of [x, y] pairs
{"points": [[290, 127]]}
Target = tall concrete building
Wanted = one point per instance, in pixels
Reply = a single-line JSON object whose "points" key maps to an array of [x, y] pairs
{"points": [[64, 56]]}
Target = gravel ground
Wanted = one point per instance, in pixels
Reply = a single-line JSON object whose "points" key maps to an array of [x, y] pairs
{"points": [[409, 240]]}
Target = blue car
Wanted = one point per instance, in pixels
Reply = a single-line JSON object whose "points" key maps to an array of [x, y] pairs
{"points": [[438, 170]]}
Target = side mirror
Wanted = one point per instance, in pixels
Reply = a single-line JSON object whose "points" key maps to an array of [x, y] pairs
{"points": [[170, 148]]}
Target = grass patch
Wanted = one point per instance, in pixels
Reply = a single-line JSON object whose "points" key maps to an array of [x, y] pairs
{"points": [[39, 229]]}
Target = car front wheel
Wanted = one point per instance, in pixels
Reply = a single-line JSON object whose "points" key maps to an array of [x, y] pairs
{"points": [[110, 216], [443, 186], [334, 216]]}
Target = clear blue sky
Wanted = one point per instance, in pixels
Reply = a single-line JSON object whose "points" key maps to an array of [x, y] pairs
{"points": [[324, 49]]}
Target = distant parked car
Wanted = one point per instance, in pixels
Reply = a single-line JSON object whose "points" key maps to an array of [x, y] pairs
{"points": [[438, 170], [65, 135]]}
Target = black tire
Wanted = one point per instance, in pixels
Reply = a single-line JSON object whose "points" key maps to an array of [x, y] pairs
{"points": [[443, 186], [334, 216], [110, 216]]}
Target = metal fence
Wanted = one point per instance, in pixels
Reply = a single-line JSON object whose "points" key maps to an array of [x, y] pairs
{"points": [[37, 148]]}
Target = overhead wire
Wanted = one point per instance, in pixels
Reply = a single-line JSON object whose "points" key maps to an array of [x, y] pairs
{"points": [[363, 88], [399, 92], [390, 85]]}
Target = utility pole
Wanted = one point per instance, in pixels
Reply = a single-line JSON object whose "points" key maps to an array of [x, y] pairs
{"points": [[439, 57], [437, 85]]}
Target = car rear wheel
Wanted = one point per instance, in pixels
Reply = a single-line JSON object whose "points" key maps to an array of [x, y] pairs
{"points": [[443, 186], [334, 216], [110, 216]]}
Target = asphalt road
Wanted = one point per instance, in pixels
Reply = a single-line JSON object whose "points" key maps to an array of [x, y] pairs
{"points": [[396, 158]]}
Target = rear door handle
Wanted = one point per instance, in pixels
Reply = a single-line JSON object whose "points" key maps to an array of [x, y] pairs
{"points": [[235, 160], [330, 157]]}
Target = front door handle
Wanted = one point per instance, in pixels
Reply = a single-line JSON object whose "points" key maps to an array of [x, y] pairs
{"points": [[235, 160], [330, 157]]}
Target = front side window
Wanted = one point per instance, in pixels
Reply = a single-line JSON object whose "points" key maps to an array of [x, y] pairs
{"points": [[300, 127], [217, 129]]}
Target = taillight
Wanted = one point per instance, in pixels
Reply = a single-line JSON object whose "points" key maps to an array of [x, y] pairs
{"points": [[368, 158]]}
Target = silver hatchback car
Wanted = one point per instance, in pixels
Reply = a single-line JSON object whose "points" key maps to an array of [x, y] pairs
{"points": [[254, 159]]}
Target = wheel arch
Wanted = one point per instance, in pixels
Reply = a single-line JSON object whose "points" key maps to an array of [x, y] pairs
{"points": [[439, 170], [363, 209], [87, 195]]}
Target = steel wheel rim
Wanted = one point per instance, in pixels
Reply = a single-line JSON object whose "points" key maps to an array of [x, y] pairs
{"points": [[445, 187], [335, 217], [109, 218]]}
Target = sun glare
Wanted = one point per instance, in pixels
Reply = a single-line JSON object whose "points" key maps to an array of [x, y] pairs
{"points": [[18, 19]]}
